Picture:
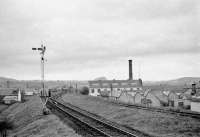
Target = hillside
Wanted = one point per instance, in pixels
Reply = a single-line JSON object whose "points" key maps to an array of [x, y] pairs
{"points": [[3, 79], [29, 121], [12, 83], [178, 82], [175, 83], [184, 80]]}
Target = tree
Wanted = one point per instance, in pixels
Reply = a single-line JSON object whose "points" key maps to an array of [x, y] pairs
{"points": [[84, 91], [5, 125]]}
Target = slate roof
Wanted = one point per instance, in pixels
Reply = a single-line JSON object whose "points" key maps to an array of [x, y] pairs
{"points": [[115, 83], [166, 92]]}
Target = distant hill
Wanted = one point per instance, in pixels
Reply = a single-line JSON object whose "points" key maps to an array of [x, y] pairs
{"points": [[172, 84], [179, 81], [13, 83], [185, 80], [4, 79]]}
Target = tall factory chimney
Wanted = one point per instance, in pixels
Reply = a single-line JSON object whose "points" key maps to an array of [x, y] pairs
{"points": [[193, 89], [130, 70]]}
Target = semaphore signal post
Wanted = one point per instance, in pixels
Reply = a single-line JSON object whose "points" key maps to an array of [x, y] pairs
{"points": [[42, 50]]}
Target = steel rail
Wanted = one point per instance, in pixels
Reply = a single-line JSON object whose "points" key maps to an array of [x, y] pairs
{"points": [[123, 132], [154, 109], [185, 114], [75, 117]]}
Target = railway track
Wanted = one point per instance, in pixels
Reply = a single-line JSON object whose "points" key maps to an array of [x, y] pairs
{"points": [[96, 123], [162, 110]]}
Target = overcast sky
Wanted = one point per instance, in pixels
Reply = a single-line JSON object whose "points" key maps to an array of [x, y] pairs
{"points": [[86, 39]]}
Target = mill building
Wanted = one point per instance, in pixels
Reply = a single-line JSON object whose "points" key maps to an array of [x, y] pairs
{"points": [[112, 87]]}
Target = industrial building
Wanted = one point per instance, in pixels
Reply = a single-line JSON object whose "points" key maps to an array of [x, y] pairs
{"points": [[113, 87], [131, 91]]}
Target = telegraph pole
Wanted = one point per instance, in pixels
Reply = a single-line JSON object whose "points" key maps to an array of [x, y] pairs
{"points": [[42, 50]]}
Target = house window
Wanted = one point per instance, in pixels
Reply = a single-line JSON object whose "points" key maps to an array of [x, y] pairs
{"points": [[99, 90], [95, 84], [115, 84], [92, 91], [133, 84], [124, 84], [105, 84], [180, 104]]}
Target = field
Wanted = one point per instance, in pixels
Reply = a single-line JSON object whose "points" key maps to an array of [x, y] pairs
{"points": [[154, 123], [3, 107], [30, 122]]}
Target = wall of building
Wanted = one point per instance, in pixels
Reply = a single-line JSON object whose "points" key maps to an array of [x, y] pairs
{"points": [[105, 92], [179, 103], [195, 106], [154, 100], [187, 102], [172, 96], [93, 92], [115, 93], [137, 98], [126, 98]]}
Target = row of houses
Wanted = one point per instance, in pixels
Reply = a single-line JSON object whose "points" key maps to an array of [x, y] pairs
{"points": [[167, 98], [9, 95], [131, 91], [153, 98], [12, 95]]}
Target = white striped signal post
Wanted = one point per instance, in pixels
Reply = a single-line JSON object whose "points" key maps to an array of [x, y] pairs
{"points": [[42, 50]]}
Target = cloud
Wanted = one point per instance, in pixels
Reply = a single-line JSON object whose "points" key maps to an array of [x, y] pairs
{"points": [[136, 9], [92, 33]]}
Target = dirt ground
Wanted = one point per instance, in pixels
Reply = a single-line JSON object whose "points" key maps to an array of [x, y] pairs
{"points": [[154, 123], [29, 121]]}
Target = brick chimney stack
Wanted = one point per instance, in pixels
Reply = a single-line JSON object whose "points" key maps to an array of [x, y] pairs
{"points": [[130, 70]]}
